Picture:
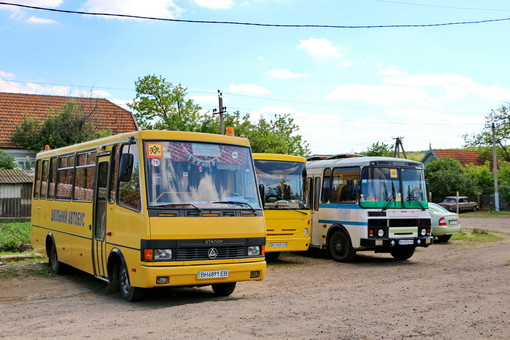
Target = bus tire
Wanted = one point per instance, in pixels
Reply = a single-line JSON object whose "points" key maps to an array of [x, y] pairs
{"points": [[272, 256], [56, 266], [223, 289], [340, 247], [402, 254], [128, 292]]}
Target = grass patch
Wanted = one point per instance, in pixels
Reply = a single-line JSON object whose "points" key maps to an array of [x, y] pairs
{"points": [[468, 236], [13, 235], [24, 270], [485, 214]]}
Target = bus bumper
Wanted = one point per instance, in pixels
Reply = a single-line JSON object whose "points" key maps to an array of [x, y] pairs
{"points": [[389, 243], [149, 276], [286, 244]]}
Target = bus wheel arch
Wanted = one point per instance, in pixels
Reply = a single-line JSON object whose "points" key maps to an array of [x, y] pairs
{"points": [[115, 259], [339, 244], [118, 276], [56, 266]]}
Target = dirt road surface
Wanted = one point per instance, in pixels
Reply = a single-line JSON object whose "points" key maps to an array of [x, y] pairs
{"points": [[447, 291]]}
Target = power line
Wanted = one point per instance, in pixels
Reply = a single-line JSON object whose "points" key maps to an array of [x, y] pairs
{"points": [[129, 16]]}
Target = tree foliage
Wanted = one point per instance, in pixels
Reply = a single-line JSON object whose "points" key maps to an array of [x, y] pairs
{"points": [[383, 150], [501, 118], [161, 105], [446, 177], [7, 161], [481, 177], [63, 126]]}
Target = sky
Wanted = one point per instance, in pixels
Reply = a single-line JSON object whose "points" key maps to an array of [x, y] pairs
{"points": [[361, 82]]}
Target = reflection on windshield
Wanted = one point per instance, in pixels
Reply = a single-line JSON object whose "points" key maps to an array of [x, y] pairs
{"points": [[199, 174], [393, 188], [284, 184]]}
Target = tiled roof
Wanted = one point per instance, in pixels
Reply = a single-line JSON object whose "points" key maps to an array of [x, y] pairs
{"points": [[463, 156], [16, 176], [13, 106]]}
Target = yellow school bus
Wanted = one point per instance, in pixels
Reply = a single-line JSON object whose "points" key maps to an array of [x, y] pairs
{"points": [[282, 185], [151, 209]]}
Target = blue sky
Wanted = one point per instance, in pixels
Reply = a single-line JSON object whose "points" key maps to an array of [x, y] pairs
{"points": [[345, 88]]}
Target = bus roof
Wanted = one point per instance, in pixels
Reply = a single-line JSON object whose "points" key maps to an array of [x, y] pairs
{"points": [[361, 161], [278, 157], [148, 134]]}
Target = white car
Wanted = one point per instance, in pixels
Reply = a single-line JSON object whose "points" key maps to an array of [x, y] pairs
{"points": [[444, 223]]}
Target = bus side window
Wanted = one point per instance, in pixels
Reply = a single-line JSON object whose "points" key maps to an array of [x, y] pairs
{"points": [[114, 168], [37, 182], [44, 179], [52, 178], [316, 193], [345, 188], [129, 192], [326, 185], [65, 177]]}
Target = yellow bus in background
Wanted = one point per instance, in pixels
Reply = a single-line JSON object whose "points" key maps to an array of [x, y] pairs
{"points": [[282, 184], [151, 209]]}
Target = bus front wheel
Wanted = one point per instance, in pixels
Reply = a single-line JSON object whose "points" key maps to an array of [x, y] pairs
{"points": [[128, 292], [56, 266], [340, 248], [223, 289], [402, 254]]}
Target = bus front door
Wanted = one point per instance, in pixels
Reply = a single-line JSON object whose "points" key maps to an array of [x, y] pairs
{"points": [[100, 211]]}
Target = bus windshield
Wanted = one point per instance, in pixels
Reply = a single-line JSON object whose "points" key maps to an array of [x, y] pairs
{"points": [[392, 188], [199, 175], [283, 182]]}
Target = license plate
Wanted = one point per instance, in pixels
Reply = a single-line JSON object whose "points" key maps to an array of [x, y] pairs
{"points": [[405, 242], [212, 274], [278, 244], [453, 222]]}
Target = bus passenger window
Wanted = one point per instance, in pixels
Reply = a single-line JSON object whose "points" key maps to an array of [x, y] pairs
{"points": [[129, 192], [37, 183], [326, 183], [52, 178]]}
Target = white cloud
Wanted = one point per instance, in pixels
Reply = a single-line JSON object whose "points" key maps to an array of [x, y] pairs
{"points": [[39, 21], [319, 48], [285, 74], [250, 89], [392, 70], [18, 13], [215, 4], [153, 8], [6, 74], [378, 94], [58, 90]]}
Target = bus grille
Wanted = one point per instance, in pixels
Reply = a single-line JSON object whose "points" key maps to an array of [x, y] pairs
{"points": [[195, 254]]}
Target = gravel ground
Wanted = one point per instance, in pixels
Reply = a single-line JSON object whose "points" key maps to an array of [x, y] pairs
{"points": [[454, 290]]}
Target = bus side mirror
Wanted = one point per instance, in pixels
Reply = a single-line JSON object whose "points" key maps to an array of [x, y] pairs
{"points": [[126, 167], [262, 192]]}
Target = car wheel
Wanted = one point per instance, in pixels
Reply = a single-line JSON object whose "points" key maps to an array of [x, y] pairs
{"points": [[402, 254], [340, 248], [223, 289], [443, 238]]}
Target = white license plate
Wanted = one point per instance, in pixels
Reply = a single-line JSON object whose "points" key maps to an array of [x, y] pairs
{"points": [[278, 244], [405, 242], [453, 222], [212, 274]]}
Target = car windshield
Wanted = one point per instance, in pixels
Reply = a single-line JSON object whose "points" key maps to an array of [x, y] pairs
{"points": [[284, 184], [195, 175], [393, 188], [438, 209]]}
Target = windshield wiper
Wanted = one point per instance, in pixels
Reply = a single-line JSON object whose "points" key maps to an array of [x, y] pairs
{"points": [[171, 205], [391, 198], [412, 198], [235, 203]]}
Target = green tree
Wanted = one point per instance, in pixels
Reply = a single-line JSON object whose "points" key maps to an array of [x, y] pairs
{"points": [[7, 161], [445, 177], [63, 126], [504, 181], [162, 105], [501, 118], [482, 178], [383, 150]]}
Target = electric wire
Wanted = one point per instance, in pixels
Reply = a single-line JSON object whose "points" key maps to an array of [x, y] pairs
{"points": [[130, 16]]}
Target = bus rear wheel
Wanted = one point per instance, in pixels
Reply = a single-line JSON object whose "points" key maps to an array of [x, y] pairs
{"points": [[340, 248], [223, 289], [402, 254], [128, 292]]}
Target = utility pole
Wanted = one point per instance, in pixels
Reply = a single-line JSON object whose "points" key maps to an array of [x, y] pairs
{"points": [[398, 146], [495, 167], [221, 110]]}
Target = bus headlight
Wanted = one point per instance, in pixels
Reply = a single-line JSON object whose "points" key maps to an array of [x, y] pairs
{"points": [[253, 250], [305, 232], [380, 232], [423, 232], [162, 254]]}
